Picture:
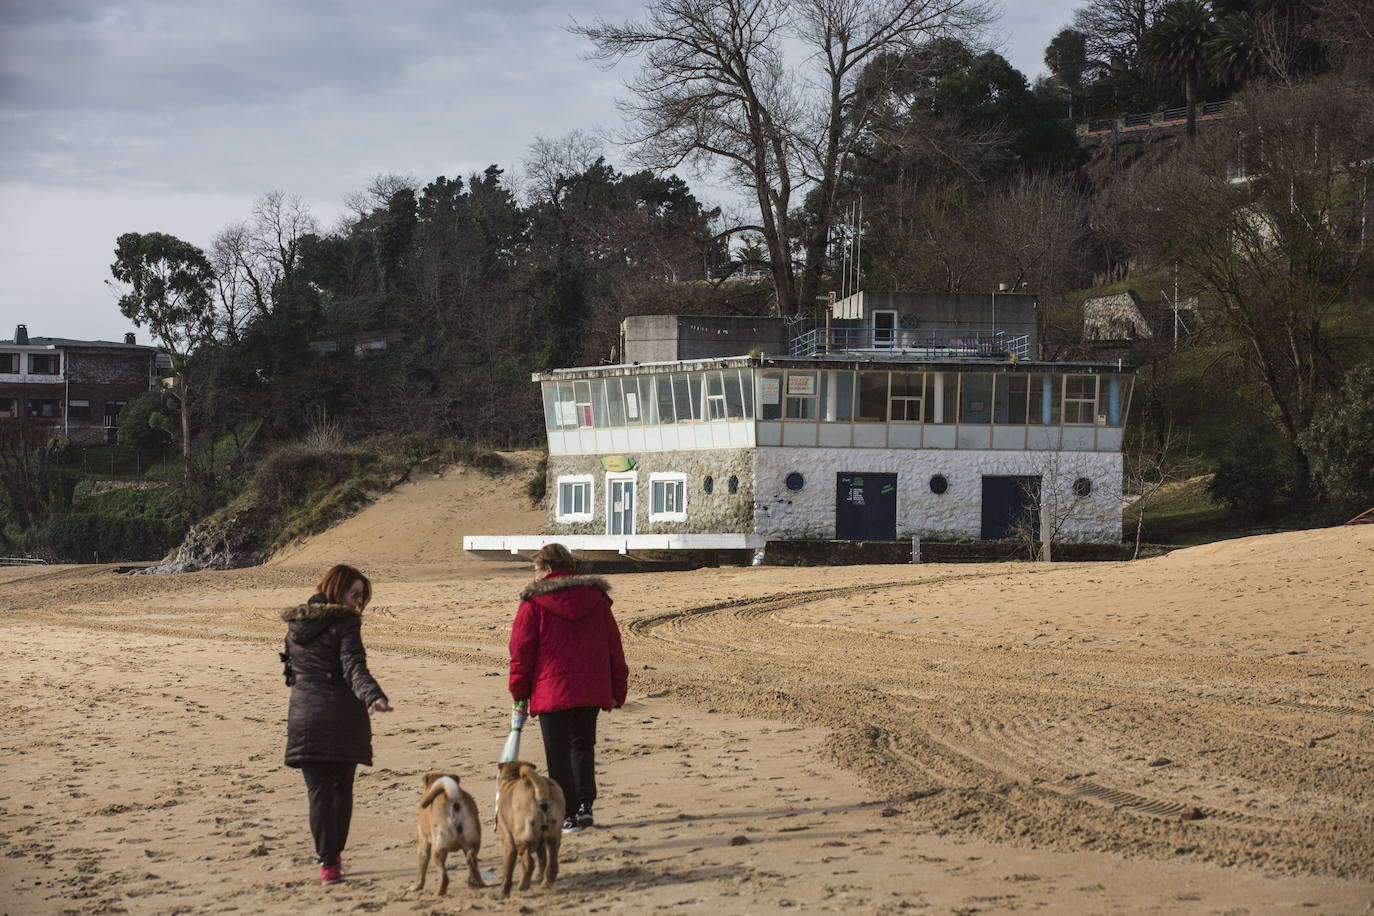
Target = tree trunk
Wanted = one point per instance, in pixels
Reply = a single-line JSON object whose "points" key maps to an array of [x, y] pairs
{"points": [[185, 420], [1190, 100]]}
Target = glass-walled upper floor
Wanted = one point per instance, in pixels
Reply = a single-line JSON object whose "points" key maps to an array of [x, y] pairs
{"points": [[827, 396]]}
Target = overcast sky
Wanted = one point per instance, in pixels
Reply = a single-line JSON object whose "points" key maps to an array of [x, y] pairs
{"points": [[174, 115]]}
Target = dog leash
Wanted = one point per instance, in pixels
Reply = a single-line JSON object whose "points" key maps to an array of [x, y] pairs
{"points": [[519, 712]]}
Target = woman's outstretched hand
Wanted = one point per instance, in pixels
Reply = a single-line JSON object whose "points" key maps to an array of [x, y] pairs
{"points": [[381, 706]]}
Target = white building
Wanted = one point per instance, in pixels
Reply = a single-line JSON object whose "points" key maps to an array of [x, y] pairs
{"points": [[872, 427]]}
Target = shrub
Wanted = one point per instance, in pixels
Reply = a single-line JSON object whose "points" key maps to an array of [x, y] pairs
{"points": [[148, 421], [538, 485], [1252, 475], [1340, 441]]}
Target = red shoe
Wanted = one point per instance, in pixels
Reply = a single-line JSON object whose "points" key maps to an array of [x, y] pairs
{"points": [[331, 874]]}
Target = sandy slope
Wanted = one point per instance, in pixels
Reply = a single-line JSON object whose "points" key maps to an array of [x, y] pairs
{"points": [[423, 522], [1187, 734]]}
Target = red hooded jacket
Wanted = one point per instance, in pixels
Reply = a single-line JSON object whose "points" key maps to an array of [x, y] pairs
{"points": [[565, 646]]}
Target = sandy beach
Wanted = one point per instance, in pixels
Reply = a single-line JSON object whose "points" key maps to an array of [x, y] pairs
{"points": [[1192, 734]]}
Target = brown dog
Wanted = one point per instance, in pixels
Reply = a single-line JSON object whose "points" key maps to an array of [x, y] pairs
{"points": [[529, 818], [448, 822]]}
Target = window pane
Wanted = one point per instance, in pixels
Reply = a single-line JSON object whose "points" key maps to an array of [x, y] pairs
{"points": [[844, 395], [698, 406], [1043, 400], [872, 397], [734, 398], [567, 407], [664, 387], [801, 395], [565, 499], [746, 383], [907, 384], [714, 386], [550, 406], [975, 398], [682, 398], [582, 392], [770, 395], [615, 403], [1082, 387], [1009, 398], [633, 410], [599, 403]]}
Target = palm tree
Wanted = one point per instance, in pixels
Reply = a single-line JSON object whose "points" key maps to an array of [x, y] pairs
{"points": [[1176, 48], [1233, 51]]}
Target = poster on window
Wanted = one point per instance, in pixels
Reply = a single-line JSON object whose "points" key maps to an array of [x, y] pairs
{"points": [[632, 405], [801, 385], [567, 415], [770, 391]]}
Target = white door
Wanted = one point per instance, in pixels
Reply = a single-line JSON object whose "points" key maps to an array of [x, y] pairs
{"points": [[620, 511]]}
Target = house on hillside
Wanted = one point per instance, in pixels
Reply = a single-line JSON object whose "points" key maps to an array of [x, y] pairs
{"points": [[1120, 324], [51, 385], [890, 416]]}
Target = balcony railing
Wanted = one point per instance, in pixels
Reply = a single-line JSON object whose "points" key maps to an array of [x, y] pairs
{"points": [[927, 342]]}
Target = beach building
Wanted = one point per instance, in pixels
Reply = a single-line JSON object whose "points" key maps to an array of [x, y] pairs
{"points": [[894, 415], [52, 385]]}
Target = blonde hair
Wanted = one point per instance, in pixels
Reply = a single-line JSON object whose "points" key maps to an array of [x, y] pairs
{"points": [[555, 558], [339, 580]]}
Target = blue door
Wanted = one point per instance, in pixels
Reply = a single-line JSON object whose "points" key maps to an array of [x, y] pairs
{"points": [[1009, 506], [865, 507]]}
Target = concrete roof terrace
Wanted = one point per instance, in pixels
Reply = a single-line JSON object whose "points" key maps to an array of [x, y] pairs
{"points": [[849, 360]]}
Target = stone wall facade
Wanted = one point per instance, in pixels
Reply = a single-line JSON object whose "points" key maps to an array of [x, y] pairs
{"points": [[718, 511], [763, 503]]}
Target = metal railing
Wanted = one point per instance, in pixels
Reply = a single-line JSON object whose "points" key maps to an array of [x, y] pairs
{"points": [[1169, 117], [899, 342], [22, 561]]}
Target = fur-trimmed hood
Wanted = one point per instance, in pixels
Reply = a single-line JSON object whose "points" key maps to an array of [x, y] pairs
{"points": [[557, 583], [318, 610]]}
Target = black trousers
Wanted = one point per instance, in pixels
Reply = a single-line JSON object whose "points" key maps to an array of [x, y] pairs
{"points": [[570, 752], [331, 806]]}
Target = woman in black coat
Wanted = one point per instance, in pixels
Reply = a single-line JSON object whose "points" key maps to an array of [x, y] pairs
{"points": [[327, 728]]}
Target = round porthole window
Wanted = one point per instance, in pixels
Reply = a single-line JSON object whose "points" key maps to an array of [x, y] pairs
{"points": [[1082, 487], [708, 484], [733, 484], [795, 481], [938, 484]]}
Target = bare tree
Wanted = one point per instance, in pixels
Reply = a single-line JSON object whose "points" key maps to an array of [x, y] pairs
{"points": [[255, 260], [1267, 218], [1112, 28], [1150, 468], [1052, 500], [715, 87]]}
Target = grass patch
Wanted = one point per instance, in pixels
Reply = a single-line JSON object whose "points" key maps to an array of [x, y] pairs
{"points": [[1183, 513]]}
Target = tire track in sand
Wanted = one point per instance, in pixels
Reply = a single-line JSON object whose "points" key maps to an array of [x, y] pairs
{"points": [[1003, 746]]}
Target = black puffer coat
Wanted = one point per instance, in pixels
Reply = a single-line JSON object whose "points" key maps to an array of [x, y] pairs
{"points": [[333, 689]]}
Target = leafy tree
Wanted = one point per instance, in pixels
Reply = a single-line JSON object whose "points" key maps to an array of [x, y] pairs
{"points": [[1177, 47], [1340, 440], [1067, 59], [169, 291]]}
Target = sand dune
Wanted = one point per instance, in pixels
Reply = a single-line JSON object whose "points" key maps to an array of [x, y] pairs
{"points": [[1192, 733], [423, 522]]}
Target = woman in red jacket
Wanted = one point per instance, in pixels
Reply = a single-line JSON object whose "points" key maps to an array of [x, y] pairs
{"points": [[566, 659]]}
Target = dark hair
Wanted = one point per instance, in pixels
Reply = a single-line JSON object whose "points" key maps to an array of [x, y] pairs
{"points": [[555, 558], [339, 580]]}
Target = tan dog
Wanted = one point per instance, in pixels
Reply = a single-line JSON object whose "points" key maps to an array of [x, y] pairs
{"points": [[448, 822], [529, 818]]}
